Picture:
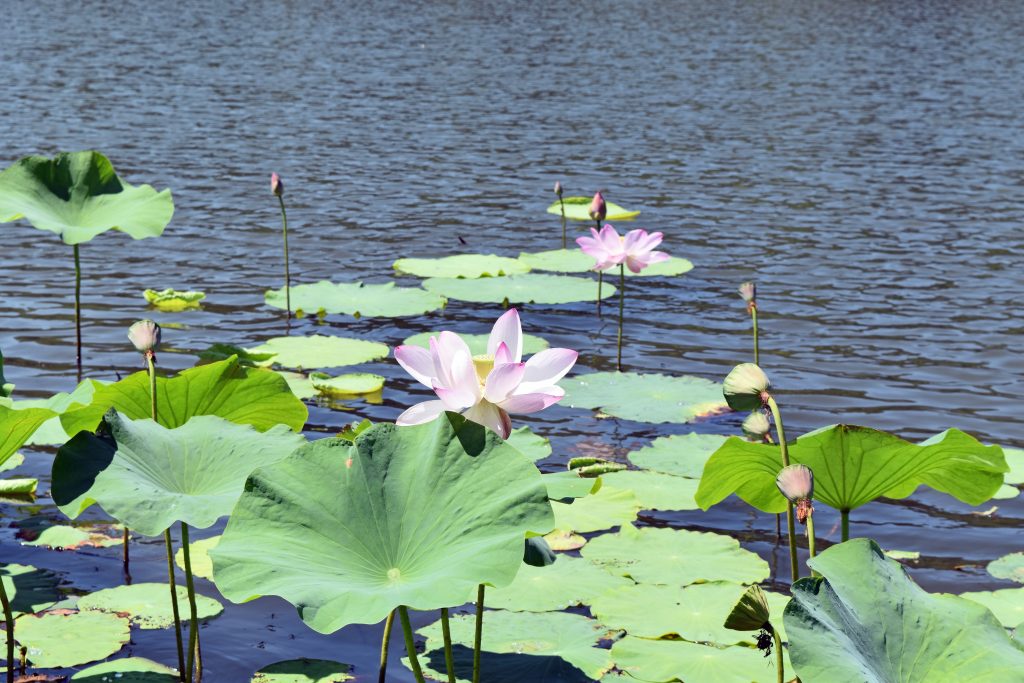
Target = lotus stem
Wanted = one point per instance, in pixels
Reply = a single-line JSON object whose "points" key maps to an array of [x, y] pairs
{"points": [[194, 666], [287, 273], [447, 633], [790, 525], [844, 516], [622, 307], [174, 603], [479, 632], [125, 566], [9, 623], [78, 313], [388, 623], [561, 205], [600, 279], [778, 656], [753, 317], [410, 646]]}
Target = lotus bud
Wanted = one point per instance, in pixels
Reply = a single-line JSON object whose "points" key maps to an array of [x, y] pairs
{"points": [[598, 210], [751, 613], [276, 186], [756, 426], [558, 188], [144, 336], [746, 387], [748, 290], [796, 482]]}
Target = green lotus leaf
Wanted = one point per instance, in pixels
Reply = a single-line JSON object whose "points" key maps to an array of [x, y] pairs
{"points": [[678, 660], [319, 351], [199, 557], [12, 462], [655, 490], [478, 342], [57, 640], [607, 508], [78, 196], [468, 266], [1008, 567], [1007, 604], [644, 398], [677, 557], [148, 477], [568, 582], [358, 299], [533, 446], [751, 612], [29, 589], [536, 638], [18, 487], [854, 465], [147, 605], [865, 620], [566, 485], [910, 555], [17, 426], [578, 209], [352, 384], [575, 261], [1015, 461], [226, 389], [564, 540], [5, 387], [172, 300], [62, 537], [683, 455], [51, 432], [127, 670], [304, 671], [218, 352], [529, 288], [1006, 492], [299, 383], [412, 516]]}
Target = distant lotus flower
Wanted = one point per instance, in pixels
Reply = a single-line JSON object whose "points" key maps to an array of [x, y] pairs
{"points": [[598, 210], [746, 387], [276, 186], [756, 426], [635, 249], [144, 336], [486, 388], [558, 188], [796, 482]]}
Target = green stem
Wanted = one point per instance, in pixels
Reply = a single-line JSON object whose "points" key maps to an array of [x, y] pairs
{"points": [[410, 646], [784, 451], [78, 313], [844, 516], [777, 416], [388, 623], [600, 277], [479, 632], [447, 634], [193, 630], [125, 559], [287, 273], [810, 535], [9, 623], [778, 656], [174, 603], [561, 205], [622, 307], [753, 316]]}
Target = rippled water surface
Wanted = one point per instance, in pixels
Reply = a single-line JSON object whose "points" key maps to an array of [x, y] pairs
{"points": [[862, 161]]}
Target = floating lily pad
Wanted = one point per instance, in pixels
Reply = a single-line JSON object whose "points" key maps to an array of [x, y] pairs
{"points": [[477, 343], [533, 446], [564, 540], [656, 490], [127, 670], [299, 383], [58, 640], [678, 557], [147, 605], [1008, 567], [18, 487], [148, 477], [911, 555], [529, 288], [644, 398], [359, 300], [468, 266], [29, 589], [568, 582], [61, 537], [414, 516], [5, 387], [1007, 604], [678, 660], [575, 261], [172, 300], [319, 351], [199, 557], [683, 455], [578, 209], [343, 386], [1006, 492], [304, 671], [1015, 461], [609, 507], [563, 486], [12, 462]]}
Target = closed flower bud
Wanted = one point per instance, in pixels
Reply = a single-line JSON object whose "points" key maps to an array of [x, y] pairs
{"points": [[746, 387], [748, 290], [597, 209], [144, 336], [558, 188], [751, 613], [276, 186], [796, 482], [756, 426]]}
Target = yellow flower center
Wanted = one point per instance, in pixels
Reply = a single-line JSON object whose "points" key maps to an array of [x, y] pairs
{"points": [[483, 364]]}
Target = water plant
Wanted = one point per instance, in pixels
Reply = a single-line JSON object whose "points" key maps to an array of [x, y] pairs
{"points": [[796, 483], [78, 196], [561, 207], [277, 189], [752, 613], [748, 291], [598, 211]]}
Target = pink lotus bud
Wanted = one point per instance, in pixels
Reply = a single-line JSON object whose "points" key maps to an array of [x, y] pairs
{"points": [[558, 188], [144, 336], [746, 387], [598, 210], [756, 426], [796, 482], [276, 186], [748, 290]]}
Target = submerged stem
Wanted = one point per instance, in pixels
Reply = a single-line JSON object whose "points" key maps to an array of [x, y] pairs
{"points": [[174, 603], [410, 646], [385, 641], [287, 273], [78, 313], [844, 516], [9, 623], [778, 656], [622, 307], [193, 630], [478, 633], [447, 634], [753, 317], [784, 452]]}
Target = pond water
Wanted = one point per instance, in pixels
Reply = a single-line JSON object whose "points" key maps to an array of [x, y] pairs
{"points": [[861, 161]]}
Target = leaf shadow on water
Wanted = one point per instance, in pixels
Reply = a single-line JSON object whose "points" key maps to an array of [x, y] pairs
{"points": [[34, 588], [506, 667]]}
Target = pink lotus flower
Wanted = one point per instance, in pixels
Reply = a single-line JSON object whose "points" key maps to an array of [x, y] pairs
{"points": [[635, 249], [598, 209], [485, 389]]}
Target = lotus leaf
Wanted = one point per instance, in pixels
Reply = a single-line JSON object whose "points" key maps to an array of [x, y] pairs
{"points": [[529, 288], [148, 477], [655, 490], [412, 516], [61, 537], [567, 485], [854, 465], [344, 386], [304, 671], [911, 555], [678, 557], [468, 266], [1008, 567], [172, 300], [683, 455], [865, 620], [1015, 461], [1006, 492], [17, 426], [537, 638], [607, 508], [51, 433], [18, 487], [533, 446], [1007, 604], [199, 557], [78, 196], [358, 299], [29, 589], [319, 351], [575, 261], [127, 670], [147, 604], [644, 398], [57, 640], [564, 540], [5, 387], [299, 383], [568, 582], [226, 389], [218, 352], [578, 209], [478, 342], [13, 462], [679, 660]]}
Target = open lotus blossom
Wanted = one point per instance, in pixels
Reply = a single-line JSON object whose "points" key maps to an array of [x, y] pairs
{"points": [[635, 249], [485, 388]]}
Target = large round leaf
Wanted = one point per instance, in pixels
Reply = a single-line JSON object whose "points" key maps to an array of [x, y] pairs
{"points": [[17, 426], [530, 288], [865, 620], [655, 490], [575, 261], [1015, 461], [51, 432], [1008, 567], [78, 196], [477, 343], [147, 605], [659, 661], [854, 465], [127, 670], [644, 398], [411, 516], [319, 351], [578, 209], [461, 266], [1007, 604], [683, 455], [357, 299], [607, 508], [29, 589], [569, 582], [57, 639], [244, 395], [148, 477]]}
